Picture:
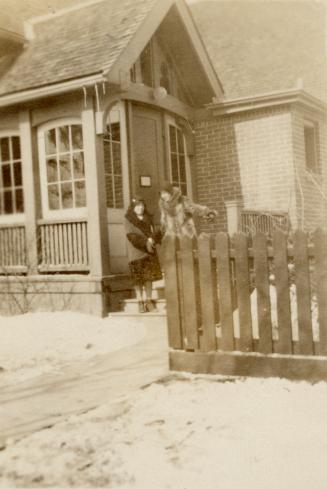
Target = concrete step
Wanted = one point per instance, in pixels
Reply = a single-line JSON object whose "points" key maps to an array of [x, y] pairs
{"points": [[132, 306], [143, 316]]}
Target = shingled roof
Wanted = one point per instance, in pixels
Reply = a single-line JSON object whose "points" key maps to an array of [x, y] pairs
{"points": [[258, 47], [75, 44]]}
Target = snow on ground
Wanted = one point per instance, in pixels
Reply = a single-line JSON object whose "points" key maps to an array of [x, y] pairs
{"points": [[190, 432], [36, 343]]}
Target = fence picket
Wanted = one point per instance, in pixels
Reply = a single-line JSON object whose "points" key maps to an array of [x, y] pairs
{"points": [[172, 294], [303, 297], [208, 292], [243, 291], [263, 293], [189, 294], [284, 343], [320, 244], [226, 342]]}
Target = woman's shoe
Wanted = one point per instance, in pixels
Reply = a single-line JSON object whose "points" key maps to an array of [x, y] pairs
{"points": [[150, 306], [142, 307]]}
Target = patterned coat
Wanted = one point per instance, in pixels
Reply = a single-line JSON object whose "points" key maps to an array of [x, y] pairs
{"points": [[177, 215]]}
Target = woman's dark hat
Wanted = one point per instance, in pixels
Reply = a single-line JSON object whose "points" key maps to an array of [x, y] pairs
{"points": [[137, 199]]}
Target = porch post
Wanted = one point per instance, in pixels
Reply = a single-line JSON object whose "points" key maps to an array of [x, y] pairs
{"points": [[29, 170], [98, 242], [233, 210]]}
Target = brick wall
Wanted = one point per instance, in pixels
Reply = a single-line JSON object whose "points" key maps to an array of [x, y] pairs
{"points": [[246, 157], [311, 188]]}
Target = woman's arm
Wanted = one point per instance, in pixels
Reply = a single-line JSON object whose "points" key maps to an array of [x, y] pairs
{"points": [[198, 209]]}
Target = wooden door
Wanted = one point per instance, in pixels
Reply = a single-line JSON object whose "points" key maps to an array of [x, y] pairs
{"points": [[148, 170]]}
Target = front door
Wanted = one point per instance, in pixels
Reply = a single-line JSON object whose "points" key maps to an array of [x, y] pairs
{"points": [[148, 159]]}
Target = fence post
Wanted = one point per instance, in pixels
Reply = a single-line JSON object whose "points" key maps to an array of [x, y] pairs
{"points": [[208, 299], [226, 342], [303, 296], [263, 292], [243, 291], [284, 343], [175, 338], [189, 311], [320, 247]]}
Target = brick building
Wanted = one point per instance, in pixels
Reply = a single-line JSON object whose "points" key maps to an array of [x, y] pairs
{"points": [[101, 99], [262, 149]]}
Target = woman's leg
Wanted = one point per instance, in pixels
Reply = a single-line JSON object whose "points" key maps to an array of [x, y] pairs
{"points": [[139, 296], [148, 290], [148, 293]]}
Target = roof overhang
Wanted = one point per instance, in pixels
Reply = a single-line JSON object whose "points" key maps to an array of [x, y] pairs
{"points": [[51, 90], [272, 99]]}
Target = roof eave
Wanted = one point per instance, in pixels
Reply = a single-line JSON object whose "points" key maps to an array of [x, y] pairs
{"points": [[50, 90], [266, 100]]}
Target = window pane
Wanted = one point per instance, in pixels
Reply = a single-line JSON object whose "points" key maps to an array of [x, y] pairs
{"points": [[53, 193], [172, 139], [174, 168], [117, 158], [146, 66], [180, 141], [67, 195], [4, 149], [77, 136], [183, 189], [52, 173], [80, 194], [115, 131], [50, 142], [63, 134], [78, 162], [119, 192], [18, 174], [107, 157], [19, 200], [65, 168], [8, 203], [109, 189], [182, 168], [15, 147], [6, 176]]}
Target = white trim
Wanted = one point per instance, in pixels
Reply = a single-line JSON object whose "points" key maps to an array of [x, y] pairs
{"points": [[48, 90], [75, 212], [267, 100]]}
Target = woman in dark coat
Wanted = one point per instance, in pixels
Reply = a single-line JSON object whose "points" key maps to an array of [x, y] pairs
{"points": [[143, 259]]}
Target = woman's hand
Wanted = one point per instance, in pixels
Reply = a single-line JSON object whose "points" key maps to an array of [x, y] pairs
{"points": [[150, 245]]}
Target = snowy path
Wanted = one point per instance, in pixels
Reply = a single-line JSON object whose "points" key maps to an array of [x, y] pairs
{"points": [[41, 402]]}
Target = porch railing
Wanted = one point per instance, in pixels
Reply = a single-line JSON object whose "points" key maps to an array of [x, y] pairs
{"points": [[264, 221], [12, 248], [63, 246]]}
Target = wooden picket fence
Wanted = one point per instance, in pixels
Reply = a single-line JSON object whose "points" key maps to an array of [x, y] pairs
{"points": [[248, 305]]}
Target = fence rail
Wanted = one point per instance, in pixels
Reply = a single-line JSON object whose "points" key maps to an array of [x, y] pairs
{"points": [[63, 246], [226, 296], [12, 249]]}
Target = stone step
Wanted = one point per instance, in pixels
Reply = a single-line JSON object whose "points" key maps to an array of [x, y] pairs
{"points": [[132, 306]]}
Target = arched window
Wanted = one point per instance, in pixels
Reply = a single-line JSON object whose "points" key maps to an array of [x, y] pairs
{"points": [[62, 167], [11, 179]]}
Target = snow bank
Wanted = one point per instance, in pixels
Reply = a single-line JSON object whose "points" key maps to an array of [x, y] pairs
{"points": [[190, 434], [35, 343]]}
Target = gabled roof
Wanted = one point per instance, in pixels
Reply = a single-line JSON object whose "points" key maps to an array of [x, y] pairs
{"points": [[75, 44], [102, 38], [259, 47]]}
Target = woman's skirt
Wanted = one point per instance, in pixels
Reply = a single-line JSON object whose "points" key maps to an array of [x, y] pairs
{"points": [[146, 269]]}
